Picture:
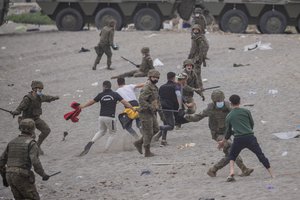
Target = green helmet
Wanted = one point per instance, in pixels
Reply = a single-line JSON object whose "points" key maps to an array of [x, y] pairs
{"points": [[37, 84], [196, 26], [145, 50], [188, 62], [27, 126], [153, 73], [217, 96]]}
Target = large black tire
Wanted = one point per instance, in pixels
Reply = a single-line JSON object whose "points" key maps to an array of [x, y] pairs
{"points": [[147, 19], [298, 26], [185, 9], [106, 14], [1, 17], [69, 19], [234, 21], [273, 22]]}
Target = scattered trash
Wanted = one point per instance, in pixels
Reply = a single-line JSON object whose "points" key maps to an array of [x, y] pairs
{"points": [[257, 45], [58, 184], [67, 94], [186, 145], [204, 80], [3, 48], [175, 163], [206, 198], [263, 122], [150, 36], [252, 92], [270, 187], [242, 36], [95, 84], [65, 134], [79, 90], [145, 172], [11, 84], [32, 29], [157, 63], [37, 70], [168, 25], [82, 50], [240, 65], [287, 135], [231, 48], [79, 177], [273, 91], [284, 153]]}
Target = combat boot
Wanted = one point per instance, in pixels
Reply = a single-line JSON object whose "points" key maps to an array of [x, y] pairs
{"points": [[212, 172], [139, 145], [246, 172], [148, 153], [94, 67]]}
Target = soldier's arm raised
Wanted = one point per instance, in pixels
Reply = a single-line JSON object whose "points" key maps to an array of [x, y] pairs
{"points": [[49, 98]]}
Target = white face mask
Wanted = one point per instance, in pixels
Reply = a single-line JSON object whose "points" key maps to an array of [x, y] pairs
{"points": [[220, 104], [39, 93]]}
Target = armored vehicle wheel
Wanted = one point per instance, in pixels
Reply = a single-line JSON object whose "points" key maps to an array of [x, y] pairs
{"points": [[234, 21], [272, 22], [69, 19], [185, 9], [298, 27], [258, 28], [106, 14], [147, 19]]}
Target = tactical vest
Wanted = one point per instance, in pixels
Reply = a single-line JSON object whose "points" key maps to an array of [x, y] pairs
{"points": [[152, 99], [34, 109], [18, 152], [217, 117], [192, 82], [145, 66], [105, 35]]}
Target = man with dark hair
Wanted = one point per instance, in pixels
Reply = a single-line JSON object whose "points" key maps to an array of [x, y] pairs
{"points": [[239, 123], [127, 92], [170, 99], [20, 155], [107, 122]]}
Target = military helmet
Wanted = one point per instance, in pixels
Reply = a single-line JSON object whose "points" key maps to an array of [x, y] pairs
{"points": [[37, 84], [27, 126], [153, 73], [196, 26], [217, 96], [188, 62], [145, 50]]}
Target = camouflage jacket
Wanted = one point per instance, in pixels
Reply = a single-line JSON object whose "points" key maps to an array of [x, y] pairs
{"points": [[149, 98], [107, 36], [216, 118], [199, 48], [146, 65], [20, 155], [31, 105], [201, 21], [192, 84]]}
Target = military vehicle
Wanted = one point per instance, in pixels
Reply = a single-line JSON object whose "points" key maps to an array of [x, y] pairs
{"points": [[4, 4], [270, 16], [146, 15]]}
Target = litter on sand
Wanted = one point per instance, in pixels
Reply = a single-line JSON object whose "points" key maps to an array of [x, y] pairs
{"points": [[257, 45], [273, 91], [145, 172], [95, 84], [157, 63], [82, 50], [284, 153], [287, 135], [186, 145], [240, 65], [175, 163]]}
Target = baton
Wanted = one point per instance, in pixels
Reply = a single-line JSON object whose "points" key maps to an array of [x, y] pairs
{"points": [[129, 61], [9, 111], [54, 174], [209, 88], [167, 110]]}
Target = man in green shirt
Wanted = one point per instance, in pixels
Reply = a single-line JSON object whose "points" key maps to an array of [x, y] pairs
{"points": [[239, 123]]}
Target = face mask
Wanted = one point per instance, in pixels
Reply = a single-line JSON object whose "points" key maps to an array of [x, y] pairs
{"points": [[154, 81], [220, 104], [39, 93]]}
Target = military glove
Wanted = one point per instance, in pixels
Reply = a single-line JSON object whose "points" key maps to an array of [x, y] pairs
{"points": [[46, 177], [14, 113]]}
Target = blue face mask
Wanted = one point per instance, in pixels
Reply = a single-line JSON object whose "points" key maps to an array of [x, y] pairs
{"points": [[39, 93], [220, 104]]}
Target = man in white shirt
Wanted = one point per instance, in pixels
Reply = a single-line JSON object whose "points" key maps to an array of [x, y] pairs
{"points": [[128, 93]]}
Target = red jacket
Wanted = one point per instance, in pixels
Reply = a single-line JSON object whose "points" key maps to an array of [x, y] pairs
{"points": [[73, 115]]}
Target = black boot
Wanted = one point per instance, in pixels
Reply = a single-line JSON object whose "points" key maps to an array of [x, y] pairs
{"points": [[86, 149], [148, 153]]}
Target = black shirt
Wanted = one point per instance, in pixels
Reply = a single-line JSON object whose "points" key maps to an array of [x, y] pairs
{"points": [[108, 100], [167, 96]]}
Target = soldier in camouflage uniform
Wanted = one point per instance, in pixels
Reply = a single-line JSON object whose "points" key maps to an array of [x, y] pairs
{"points": [[198, 18], [149, 106], [31, 107], [106, 41], [144, 67], [192, 85], [199, 49], [17, 160], [216, 113]]}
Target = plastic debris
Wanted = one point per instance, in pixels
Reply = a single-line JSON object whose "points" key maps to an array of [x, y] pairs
{"points": [[145, 172], [273, 91], [67, 94], [186, 145], [3, 48], [204, 80], [157, 63], [287, 135], [284, 153], [240, 65], [37, 70], [79, 90], [95, 84], [263, 122], [257, 45], [252, 92]]}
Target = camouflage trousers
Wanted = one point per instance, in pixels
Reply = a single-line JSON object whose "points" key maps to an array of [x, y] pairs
{"points": [[100, 51], [149, 126], [225, 160], [133, 73], [22, 186], [197, 70]]}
